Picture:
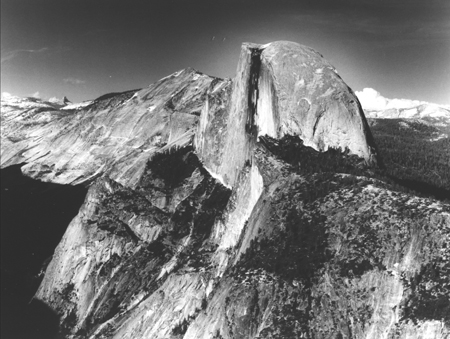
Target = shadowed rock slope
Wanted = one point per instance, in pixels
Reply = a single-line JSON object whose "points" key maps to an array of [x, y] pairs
{"points": [[239, 208]]}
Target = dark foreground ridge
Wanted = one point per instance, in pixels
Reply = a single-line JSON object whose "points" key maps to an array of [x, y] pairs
{"points": [[34, 218]]}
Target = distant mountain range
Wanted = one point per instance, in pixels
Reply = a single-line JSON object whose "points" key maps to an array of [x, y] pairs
{"points": [[377, 106], [9, 102]]}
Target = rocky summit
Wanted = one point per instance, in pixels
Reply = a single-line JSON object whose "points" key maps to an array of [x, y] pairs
{"points": [[233, 208]]}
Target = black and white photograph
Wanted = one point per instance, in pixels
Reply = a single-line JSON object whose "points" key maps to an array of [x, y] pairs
{"points": [[225, 169]]}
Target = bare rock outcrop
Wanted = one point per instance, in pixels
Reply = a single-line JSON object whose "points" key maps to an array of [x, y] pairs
{"points": [[302, 94], [115, 134], [281, 88], [216, 209]]}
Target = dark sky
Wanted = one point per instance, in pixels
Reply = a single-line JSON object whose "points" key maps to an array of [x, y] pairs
{"points": [[86, 48]]}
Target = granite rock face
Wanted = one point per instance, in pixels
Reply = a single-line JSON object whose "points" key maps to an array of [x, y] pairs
{"points": [[115, 134], [206, 216], [302, 94], [281, 88]]}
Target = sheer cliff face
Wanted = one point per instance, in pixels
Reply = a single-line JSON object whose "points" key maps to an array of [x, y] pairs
{"points": [[196, 226], [280, 89], [312, 101]]}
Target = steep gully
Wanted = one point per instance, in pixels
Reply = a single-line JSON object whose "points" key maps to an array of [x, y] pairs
{"points": [[253, 91]]}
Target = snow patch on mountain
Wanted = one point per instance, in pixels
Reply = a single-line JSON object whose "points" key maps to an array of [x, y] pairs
{"points": [[77, 105]]}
